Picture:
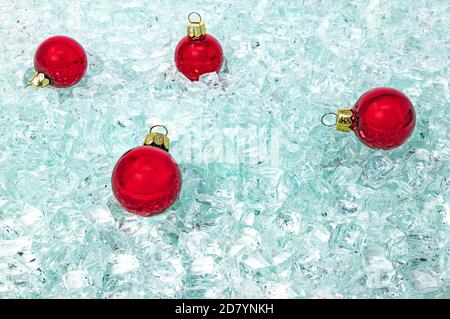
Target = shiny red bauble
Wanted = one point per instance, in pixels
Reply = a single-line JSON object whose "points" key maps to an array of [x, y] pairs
{"points": [[146, 180], [195, 56], [384, 118], [62, 60]]}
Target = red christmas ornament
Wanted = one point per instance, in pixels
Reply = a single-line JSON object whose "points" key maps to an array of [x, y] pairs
{"points": [[382, 118], [146, 180], [198, 53], [60, 62]]}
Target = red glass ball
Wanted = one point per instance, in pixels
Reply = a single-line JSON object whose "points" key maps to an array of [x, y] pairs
{"points": [[146, 180], [62, 60], [384, 118], [197, 56]]}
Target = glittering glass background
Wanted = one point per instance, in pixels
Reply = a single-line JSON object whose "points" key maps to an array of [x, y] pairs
{"points": [[330, 218]]}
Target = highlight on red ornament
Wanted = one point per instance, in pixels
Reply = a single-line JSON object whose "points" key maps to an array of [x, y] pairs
{"points": [[146, 180], [59, 62], [198, 52], [382, 118]]}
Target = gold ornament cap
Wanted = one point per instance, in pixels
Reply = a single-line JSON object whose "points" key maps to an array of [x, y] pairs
{"points": [[156, 139], [39, 80], [344, 119], [196, 28]]}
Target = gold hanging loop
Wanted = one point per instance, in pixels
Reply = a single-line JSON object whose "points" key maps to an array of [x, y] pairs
{"points": [[194, 13], [161, 126], [325, 123]]}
